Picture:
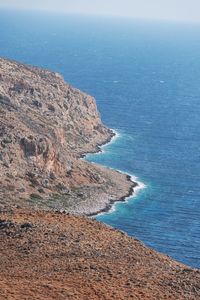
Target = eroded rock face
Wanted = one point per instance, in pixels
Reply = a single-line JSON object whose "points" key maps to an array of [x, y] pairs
{"points": [[45, 127]]}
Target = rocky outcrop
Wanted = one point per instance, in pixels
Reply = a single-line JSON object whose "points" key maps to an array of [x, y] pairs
{"points": [[46, 126]]}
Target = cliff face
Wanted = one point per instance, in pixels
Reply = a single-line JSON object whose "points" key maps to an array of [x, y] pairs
{"points": [[45, 127]]}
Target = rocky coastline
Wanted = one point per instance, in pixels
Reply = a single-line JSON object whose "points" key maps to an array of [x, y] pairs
{"points": [[49, 248], [109, 205], [130, 192], [47, 126]]}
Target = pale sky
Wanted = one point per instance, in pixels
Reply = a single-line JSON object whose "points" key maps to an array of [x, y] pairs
{"points": [[178, 10]]}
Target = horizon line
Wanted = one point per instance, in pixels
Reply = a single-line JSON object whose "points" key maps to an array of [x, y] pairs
{"points": [[83, 14]]}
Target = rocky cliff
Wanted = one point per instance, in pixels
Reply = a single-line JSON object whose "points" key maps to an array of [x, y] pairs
{"points": [[46, 125], [45, 128]]}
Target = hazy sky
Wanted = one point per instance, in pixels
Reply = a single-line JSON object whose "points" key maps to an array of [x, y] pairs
{"points": [[179, 10]]}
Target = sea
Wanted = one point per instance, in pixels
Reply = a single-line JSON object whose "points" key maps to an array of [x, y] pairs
{"points": [[145, 76]]}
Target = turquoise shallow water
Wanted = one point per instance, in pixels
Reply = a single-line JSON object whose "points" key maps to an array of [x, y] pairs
{"points": [[145, 77]]}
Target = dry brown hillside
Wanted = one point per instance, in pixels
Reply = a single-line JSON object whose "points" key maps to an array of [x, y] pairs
{"points": [[55, 256]]}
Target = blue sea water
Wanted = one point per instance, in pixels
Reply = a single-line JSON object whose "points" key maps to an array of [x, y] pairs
{"points": [[145, 77]]}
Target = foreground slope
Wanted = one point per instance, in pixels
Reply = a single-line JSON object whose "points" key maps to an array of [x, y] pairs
{"points": [[55, 256], [45, 127]]}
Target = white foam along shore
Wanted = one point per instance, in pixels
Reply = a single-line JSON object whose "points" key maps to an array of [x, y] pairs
{"points": [[102, 147], [140, 185]]}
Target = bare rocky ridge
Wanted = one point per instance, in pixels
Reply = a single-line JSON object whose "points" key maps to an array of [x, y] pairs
{"points": [[45, 127]]}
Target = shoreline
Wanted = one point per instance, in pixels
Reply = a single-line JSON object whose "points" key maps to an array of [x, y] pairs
{"points": [[136, 187], [100, 145], [110, 207]]}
